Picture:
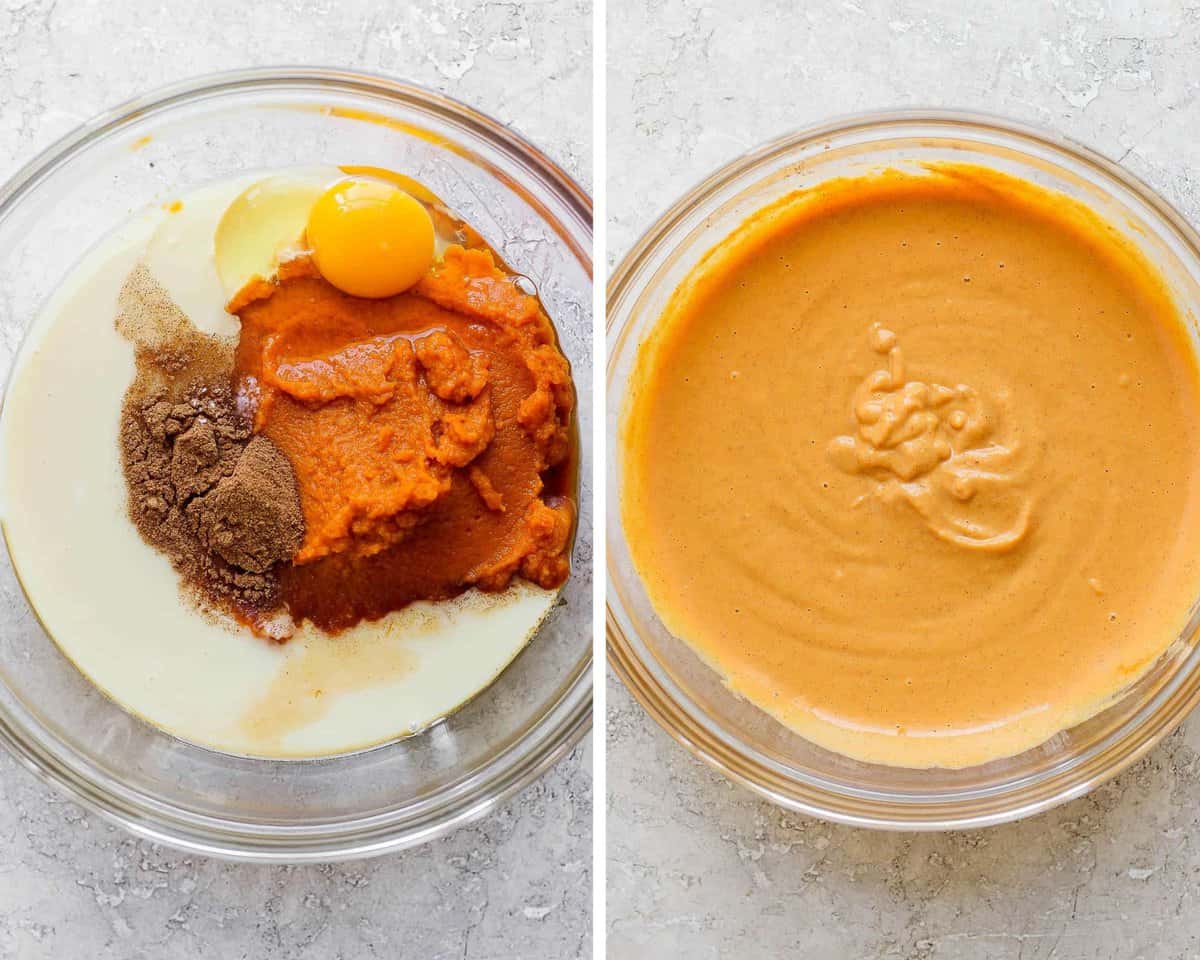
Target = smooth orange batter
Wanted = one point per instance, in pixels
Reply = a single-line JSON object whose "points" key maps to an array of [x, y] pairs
{"points": [[426, 431], [912, 461]]}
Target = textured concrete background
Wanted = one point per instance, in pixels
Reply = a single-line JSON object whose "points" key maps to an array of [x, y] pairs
{"points": [[517, 884], [699, 868]]}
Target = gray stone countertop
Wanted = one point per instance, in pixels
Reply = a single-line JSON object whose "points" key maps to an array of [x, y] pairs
{"points": [[701, 869], [516, 884]]}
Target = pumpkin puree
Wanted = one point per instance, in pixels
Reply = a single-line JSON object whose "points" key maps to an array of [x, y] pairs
{"points": [[422, 429]]}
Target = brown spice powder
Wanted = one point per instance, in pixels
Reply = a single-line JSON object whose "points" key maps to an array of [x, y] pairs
{"points": [[220, 504]]}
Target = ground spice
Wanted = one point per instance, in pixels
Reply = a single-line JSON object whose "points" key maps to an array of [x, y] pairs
{"points": [[221, 504], [251, 518]]}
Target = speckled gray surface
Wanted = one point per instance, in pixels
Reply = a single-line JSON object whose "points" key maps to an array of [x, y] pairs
{"points": [[516, 884], [702, 869]]}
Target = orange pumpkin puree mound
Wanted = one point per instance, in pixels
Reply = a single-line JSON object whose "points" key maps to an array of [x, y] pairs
{"points": [[421, 428]]}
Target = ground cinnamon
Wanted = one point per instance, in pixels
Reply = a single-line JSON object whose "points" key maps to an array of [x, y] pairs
{"points": [[220, 503]]}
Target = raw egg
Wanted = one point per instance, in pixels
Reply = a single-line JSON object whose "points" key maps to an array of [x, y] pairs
{"points": [[370, 239], [264, 224]]}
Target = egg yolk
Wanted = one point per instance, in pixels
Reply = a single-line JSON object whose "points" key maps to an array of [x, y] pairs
{"points": [[370, 239]]}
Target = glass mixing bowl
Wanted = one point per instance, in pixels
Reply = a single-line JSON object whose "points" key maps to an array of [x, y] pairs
{"points": [[684, 695], [405, 792]]}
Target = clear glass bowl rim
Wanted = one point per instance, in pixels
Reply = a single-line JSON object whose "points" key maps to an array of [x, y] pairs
{"points": [[703, 738], [504, 775]]}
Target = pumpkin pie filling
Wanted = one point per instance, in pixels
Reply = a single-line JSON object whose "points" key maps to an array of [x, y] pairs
{"points": [[948, 504], [312, 407]]}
